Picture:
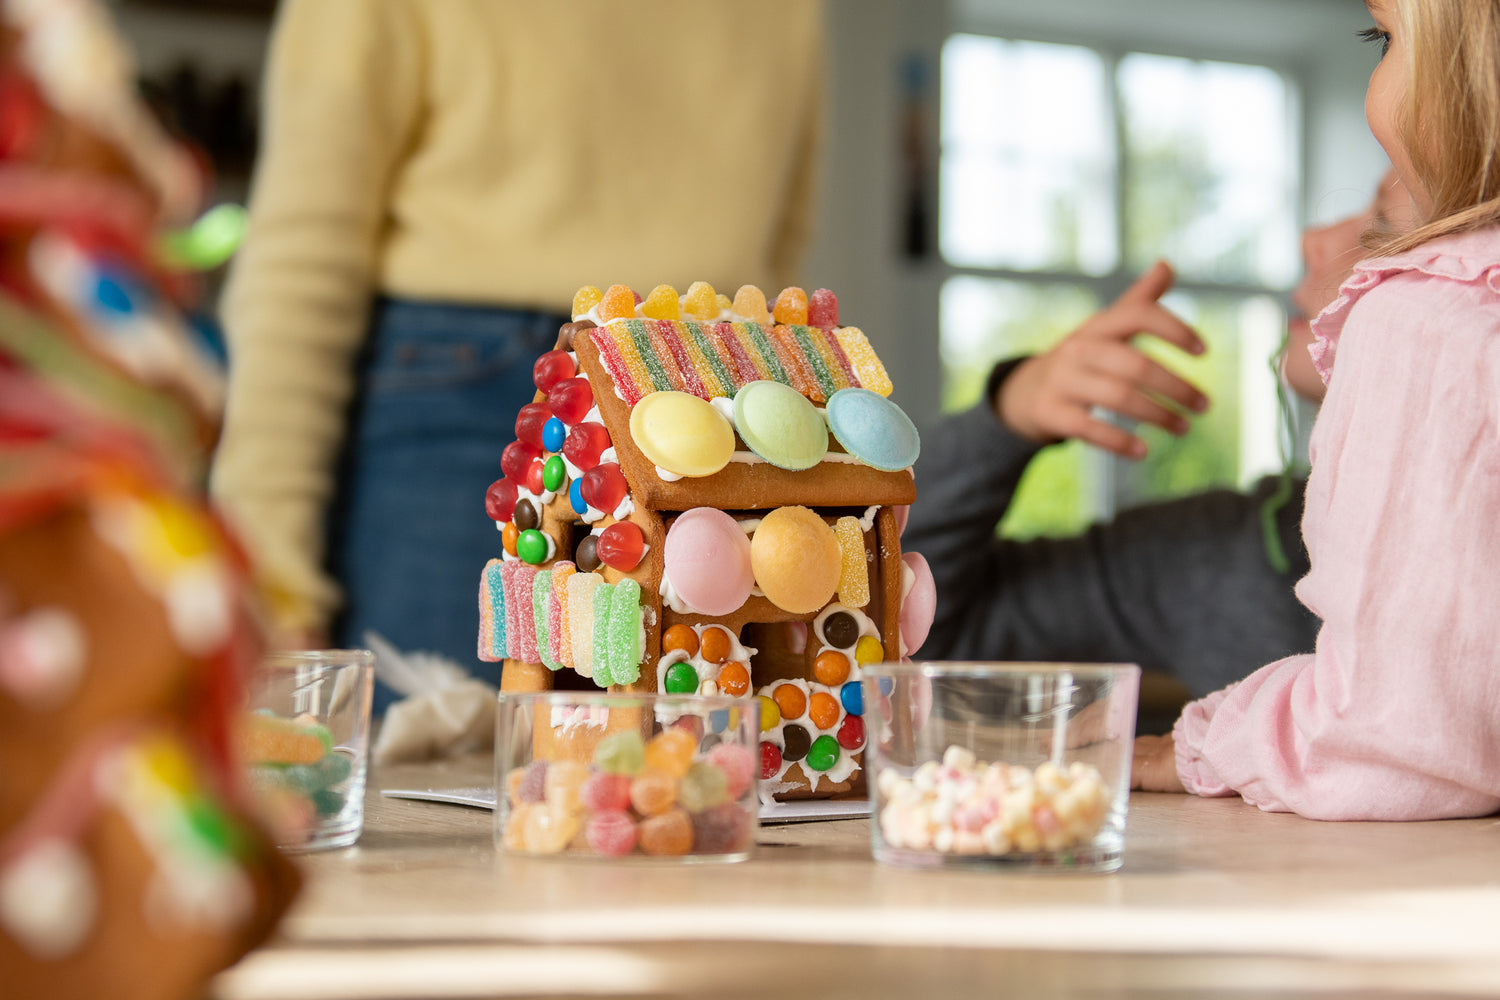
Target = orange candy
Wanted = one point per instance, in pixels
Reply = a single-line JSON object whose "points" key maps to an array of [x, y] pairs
{"points": [[790, 699], [508, 536], [716, 644], [734, 679], [671, 751], [618, 303], [667, 835], [750, 302], [680, 637], [791, 307], [831, 667], [823, 710], [653, 792]]}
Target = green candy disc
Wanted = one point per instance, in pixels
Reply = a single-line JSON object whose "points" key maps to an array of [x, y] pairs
{"points": [[553, 473], [823, 754], [532, 546], [780, 425]]}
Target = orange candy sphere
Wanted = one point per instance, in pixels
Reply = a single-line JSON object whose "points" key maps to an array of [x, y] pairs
{"points": [[831, 667], [680, 637], [508, 536], [734, 679], [790, 699], [823, 710], [716, 644]]}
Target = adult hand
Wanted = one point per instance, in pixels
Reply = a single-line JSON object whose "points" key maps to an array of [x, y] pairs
{"points": [[1051, 396], [1153, 768]]}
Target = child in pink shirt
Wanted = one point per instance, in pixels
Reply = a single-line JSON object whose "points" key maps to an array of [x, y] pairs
{"points": [[1396, 714]]}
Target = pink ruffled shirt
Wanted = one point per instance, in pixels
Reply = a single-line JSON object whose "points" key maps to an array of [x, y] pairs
{"points": [[1396, 714]]}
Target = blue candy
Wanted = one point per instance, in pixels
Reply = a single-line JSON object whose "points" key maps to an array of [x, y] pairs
{"points": [[554, 434], [853, 697], [718, 720], [887, 685], [575, 497], [873, 429]]}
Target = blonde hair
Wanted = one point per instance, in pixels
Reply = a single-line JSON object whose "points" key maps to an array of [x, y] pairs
{"points": [[1449, 124]]}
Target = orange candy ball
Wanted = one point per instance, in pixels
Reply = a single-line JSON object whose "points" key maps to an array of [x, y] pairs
{"points": [[680, 637], [823, 710], [671, 751], [831, 667], [791, 307], [716, 644], [790, 699], [508, 536], [734, 679], [667, 835], [653, 792]]}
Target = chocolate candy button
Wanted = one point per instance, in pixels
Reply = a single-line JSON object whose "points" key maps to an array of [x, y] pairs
{"points": [[840, 630], [797, 741]]}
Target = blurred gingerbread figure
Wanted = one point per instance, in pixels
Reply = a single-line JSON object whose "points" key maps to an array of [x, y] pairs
{"points": [[128, 865]]}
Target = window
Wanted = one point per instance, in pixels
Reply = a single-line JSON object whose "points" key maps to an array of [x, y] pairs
{"points": [[1065, 171]]}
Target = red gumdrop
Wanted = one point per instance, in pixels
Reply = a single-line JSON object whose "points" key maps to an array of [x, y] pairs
{"points": [[611, 833], [500, 500], [603, 487], [621, 546], [585, 443], [823, 309], [534, 475], [852, 733], [516, 459], [551, 368], [571, 399], [529, 423], [770, 761]]}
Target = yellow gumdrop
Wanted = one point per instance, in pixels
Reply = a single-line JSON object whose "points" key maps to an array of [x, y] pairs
{"points": [[722, 301], [854, 575], [701, 301], [585, 299], [661, 304], [750, 304], [791, 307], [796, 560], [618, 303], [770, 714], [868, 650]]}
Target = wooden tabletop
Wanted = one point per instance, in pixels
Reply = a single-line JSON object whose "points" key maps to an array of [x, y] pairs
{"points": [[1215, 898]]}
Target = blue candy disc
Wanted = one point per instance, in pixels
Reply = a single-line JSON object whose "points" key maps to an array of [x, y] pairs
{"points": [[873, 429], [554, 434]]}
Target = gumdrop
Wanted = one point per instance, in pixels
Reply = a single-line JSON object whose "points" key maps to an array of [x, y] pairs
{"points": [[610, 833], [737, 763], [516, 459], [551, 368], [618, 303], [823, 710], [529, 423], [585, 299], [564, 780], [604, 487], [680, 637], [722, 301], [554, 433], [667, 835], [722, 829], [791, 307], [703, 786], [681, 679], [603, 792], [653, 791], [831, 668], [671, 750], [515, 827], [699, 302], [584, 444], [571, 399], [750, 303], [690, 724], [770, 760], [621, 753], [661, 304], [533, 784], [734, 679], [548, 829], [621, 546], [500, 500], [823, 309]]}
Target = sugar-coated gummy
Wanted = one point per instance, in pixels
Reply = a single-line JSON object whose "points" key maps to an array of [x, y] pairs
{"points": [[564, 782], [625, 632], [533, 784], [721, 829], [703, 786], [669, 834], [621, 753], [671, 751], [738, 764], [854, 572], [610, 832], [653, 791], [603, 791], [603, 652]]}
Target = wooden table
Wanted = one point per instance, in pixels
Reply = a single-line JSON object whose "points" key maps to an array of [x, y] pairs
{"points": [[1215, 899]]}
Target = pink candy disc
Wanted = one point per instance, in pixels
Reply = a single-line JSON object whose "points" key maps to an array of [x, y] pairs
{"points": [[920, 603], [707, 561]]}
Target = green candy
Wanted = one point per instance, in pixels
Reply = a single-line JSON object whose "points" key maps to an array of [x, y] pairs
{"points": [[621, 753], [553, 473], [681, 679], [541, 592], [327, 801], [703, 787], [603, 658], [625, 633], [531, 546], [823, 754]]}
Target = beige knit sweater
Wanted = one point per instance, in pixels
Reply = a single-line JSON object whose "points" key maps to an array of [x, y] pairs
{"points": [[490, 151]]}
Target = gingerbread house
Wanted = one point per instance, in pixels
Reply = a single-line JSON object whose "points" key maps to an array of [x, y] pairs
{"points": [[707, 496]]}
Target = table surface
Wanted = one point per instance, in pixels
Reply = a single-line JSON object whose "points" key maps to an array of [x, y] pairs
{"points": [[1215, 899]]}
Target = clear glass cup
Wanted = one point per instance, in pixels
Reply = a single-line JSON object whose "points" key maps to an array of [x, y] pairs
{"points": [[626, 776], [306, 741], [1016, 765]]}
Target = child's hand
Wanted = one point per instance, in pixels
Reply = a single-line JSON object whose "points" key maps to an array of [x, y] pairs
{"points": [[1050, 397], [1154, 765]]}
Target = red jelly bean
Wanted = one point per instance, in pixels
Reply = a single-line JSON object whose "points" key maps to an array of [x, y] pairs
{"points": [[500, 500], [530, 421], [770, 760], [551, 368], [604, 487], [534, 476], [823, 309], [570, 399], [852, 733], [516, 459], [585, 443], [621, 546]]}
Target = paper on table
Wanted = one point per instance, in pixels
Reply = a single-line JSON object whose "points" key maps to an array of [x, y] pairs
{"points": [[801, 811]]}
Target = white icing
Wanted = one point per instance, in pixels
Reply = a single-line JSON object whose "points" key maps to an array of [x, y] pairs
{"points": [[567, 718], [42, 656], [48, 901], [725, 406], [626, 508], [199, 606], [665, 476], [868, 521]]}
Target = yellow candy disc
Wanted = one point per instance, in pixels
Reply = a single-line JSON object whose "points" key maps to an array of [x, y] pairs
{"points": [[796, 559], [682, 434]]}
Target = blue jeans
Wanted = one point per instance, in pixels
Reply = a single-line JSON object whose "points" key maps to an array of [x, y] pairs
{"points": [[437, 392]]}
